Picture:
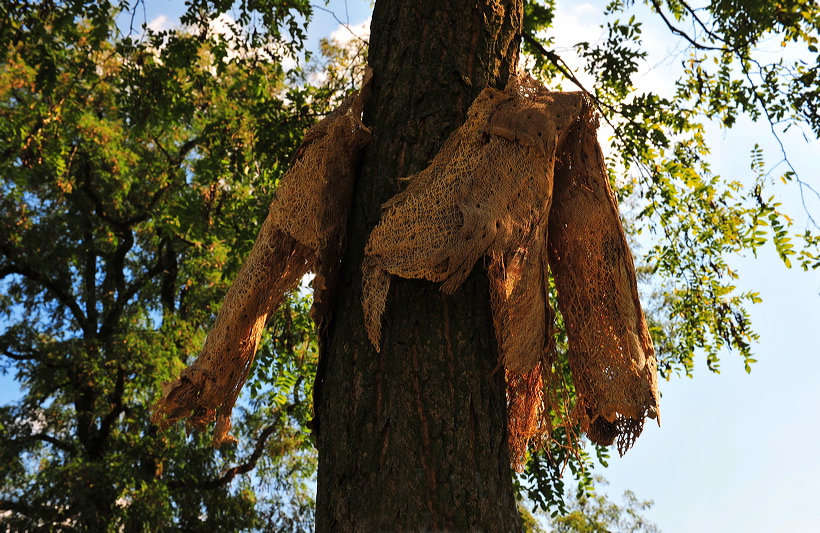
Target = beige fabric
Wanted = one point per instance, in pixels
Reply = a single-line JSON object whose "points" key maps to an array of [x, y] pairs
{"points": [[611, 354], [522, 184], [489, 193], [303, 231]]}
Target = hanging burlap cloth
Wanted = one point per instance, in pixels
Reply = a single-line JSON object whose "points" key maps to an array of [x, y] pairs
{"points": [[523, 184], [304, 231]]}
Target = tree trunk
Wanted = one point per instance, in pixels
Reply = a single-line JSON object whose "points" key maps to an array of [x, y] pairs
{"points": [[414, 437]]}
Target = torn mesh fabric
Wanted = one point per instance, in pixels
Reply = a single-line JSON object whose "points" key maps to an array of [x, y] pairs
{"points": [[610, 351], [522, 183], [490, 192], [303, 231]]}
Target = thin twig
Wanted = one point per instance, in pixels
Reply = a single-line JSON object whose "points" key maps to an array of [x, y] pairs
{"points": [[801, 184], [682, 33], [343, 24], [247, 466]]}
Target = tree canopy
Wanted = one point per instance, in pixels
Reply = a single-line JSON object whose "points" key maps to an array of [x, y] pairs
{"points": [[134, 171], [136, 167]]}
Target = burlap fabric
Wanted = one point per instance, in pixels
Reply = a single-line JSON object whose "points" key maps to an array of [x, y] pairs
{"points": [[304, 231], [522, 184]]}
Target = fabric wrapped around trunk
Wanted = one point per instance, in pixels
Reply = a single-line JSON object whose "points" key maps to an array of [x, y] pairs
{"points": [[522, 183]]}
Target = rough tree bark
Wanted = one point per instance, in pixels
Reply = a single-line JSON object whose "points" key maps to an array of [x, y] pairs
{"points": [[414, 437]]}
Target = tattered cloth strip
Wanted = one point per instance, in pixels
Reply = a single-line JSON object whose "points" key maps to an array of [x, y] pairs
{"points": [[303, 231], [611, 356], [489, 193]]}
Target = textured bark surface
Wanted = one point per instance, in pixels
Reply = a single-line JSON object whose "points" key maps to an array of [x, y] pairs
{"points": [[414, 437]]}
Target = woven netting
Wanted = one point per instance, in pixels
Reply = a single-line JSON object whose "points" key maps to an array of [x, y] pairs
{"points": [[489, 193], [303, 231], [611, 354]]}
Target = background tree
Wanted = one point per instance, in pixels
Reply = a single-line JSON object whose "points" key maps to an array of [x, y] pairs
{"points": [[129, 170], [594, 513]]}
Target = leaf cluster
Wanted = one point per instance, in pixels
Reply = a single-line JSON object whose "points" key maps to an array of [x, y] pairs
{"points": [[134, 175], [687, 221], [690, 220]]}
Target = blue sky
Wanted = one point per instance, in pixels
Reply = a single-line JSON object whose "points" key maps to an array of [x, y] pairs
{"points": [[735, 450]]}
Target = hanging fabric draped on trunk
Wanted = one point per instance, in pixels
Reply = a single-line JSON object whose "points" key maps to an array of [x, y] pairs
{"points": [[523, 184], [304, 231]]}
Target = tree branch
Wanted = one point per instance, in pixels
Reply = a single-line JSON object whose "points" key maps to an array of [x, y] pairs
{"points": [[250, 464], [681, 33], [563, 68], [184, 149], [34, 275], [801, 184], [246, 467], [173, 163], [557, 62], [229, 476], [90, 278], [16, 356], [116, 409], [35, 512], [709, 32], [54, 441], [114, 281], [126, 294], [345, 25]]}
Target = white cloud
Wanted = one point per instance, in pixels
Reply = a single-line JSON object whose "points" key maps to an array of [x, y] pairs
{"points": [[576, 23], [289, 62], [345, 33], [160, 23]]}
